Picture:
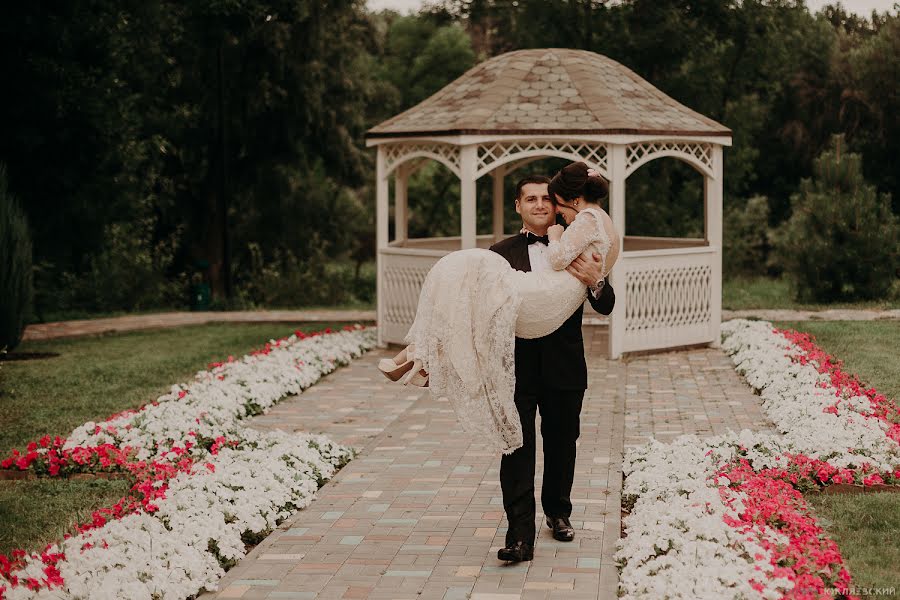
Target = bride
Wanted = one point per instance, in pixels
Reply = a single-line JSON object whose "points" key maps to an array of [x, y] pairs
{"points": [[473, 305]]}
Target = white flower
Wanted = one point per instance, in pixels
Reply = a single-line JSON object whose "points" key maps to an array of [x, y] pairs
{"points": [[175, 552], [677, 544]]}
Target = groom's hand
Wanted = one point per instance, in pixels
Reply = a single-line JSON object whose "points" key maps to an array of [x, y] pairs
{"points": [[586, 271]]}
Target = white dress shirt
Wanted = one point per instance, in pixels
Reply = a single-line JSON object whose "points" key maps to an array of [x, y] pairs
{"points": [[538, 255]]}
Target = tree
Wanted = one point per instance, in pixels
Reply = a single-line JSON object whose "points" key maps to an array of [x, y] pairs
{"points": [[871, 103], [747, 238], [422, 57], [841, 241], [15, 268]]}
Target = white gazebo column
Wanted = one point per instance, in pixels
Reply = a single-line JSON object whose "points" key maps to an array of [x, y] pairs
{"points": [[401, 212], [713, 217], [467, 157], [381, 235], [498, 176], [616, 165]]}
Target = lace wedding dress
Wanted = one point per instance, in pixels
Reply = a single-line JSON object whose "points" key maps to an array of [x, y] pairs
{"points": [[473, 305]]}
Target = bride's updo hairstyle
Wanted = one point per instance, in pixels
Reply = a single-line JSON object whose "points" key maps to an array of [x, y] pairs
{"points": [[572, 181]]}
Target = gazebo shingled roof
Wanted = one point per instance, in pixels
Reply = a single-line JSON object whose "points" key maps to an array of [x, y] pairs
{"points": [[549, 91]]}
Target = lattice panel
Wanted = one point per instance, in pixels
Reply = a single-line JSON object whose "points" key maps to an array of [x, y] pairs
{"points": [[492, 155], [698, 152], [402, 285], [667, 297], [397, 153]]}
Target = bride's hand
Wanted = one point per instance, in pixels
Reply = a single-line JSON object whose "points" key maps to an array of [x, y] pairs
{"points": [[554, 232]]}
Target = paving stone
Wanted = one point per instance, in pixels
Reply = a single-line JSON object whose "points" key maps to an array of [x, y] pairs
{"points": [[423, 518]]}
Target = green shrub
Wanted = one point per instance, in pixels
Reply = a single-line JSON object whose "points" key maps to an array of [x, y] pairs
{"points": [[288, 282], [129, 272], [747, 243], [16, 285], [841, 241]]}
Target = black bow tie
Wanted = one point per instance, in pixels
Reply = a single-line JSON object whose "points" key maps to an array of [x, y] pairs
{"points": [[532, 238]]}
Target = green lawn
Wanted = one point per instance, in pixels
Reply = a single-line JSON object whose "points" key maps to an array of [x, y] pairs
{"points": [[35, 513], [93, 378], [766, 293], [866, 527]]}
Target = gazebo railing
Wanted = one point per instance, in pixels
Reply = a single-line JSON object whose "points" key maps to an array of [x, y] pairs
{"points": [[668, 298], [405, 264], [404, 271]]}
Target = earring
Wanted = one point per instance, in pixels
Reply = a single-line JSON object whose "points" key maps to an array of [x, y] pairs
{"points": [[576, 203]]}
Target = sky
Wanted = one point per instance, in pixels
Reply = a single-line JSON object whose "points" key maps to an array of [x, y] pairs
{"points": [[860, 7]]}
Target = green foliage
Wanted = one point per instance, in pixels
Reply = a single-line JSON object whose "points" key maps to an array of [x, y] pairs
{"points": [[241, 125], [285, 281], [447, 55], [746, 232], [870, 104], [315, 222], [664, 198], [421, 57], [433, 206], [176, 110], [130, 271], [841, 241], [15, 267]]}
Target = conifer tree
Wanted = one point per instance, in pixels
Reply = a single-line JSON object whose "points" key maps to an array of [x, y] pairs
{"points": [[841, 241], [16, 290]]}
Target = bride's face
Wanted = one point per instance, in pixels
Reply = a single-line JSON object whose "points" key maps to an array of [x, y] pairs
{"points": [[566, 210]]}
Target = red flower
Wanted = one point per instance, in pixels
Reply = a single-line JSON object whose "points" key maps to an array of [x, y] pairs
{"points": [[873, 479]]}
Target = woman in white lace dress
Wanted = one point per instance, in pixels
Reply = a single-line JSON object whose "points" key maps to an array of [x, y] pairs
{"points": [[473, 305]]}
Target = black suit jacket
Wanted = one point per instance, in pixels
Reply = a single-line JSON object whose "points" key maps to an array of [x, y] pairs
{"points": [[555, 360]]}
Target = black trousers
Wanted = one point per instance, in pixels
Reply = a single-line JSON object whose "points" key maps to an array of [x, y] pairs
{"points": [[560, 427]]}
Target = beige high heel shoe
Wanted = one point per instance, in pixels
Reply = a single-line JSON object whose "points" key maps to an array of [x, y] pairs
{"points": [[417, 376], [393, 369]]}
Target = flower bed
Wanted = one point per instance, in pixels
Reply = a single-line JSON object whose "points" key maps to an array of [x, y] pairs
{"points": [[724, 517], [205, 485]]}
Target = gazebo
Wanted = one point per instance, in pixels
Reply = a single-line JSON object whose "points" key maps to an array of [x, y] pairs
{"points": [[519, 107]]}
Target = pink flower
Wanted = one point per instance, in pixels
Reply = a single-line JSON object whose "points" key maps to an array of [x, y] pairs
{"points": [[873, 479]]}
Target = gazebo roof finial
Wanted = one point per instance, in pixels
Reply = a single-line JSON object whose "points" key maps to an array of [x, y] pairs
{"points": [[549, 91]]}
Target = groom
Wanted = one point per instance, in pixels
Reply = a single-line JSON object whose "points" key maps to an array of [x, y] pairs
{"points": [[551, 376]]}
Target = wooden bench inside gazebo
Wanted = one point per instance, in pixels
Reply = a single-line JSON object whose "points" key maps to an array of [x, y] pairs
{"points": [[526, 105]]}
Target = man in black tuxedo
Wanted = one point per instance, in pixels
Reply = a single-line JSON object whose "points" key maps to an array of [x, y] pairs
{"points": [[551, 376]]}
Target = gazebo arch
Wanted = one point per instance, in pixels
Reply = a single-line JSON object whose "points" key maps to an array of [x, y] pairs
{"points": [[531, 104]]}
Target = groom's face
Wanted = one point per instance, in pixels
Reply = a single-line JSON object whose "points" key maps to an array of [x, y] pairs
{"points": [[538, 212]]}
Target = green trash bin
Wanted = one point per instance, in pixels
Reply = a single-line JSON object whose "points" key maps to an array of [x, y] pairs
{"points": [[200, 296], [200, 290]]}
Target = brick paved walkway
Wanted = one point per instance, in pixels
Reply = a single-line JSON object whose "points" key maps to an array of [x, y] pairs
{"points": [[419, 514]]}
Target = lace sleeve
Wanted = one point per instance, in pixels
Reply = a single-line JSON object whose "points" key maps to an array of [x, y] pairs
{"points": [[575, 239]]}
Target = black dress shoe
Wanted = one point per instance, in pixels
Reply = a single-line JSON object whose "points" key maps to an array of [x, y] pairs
{"points": [[517, 552], [562, 529]]}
